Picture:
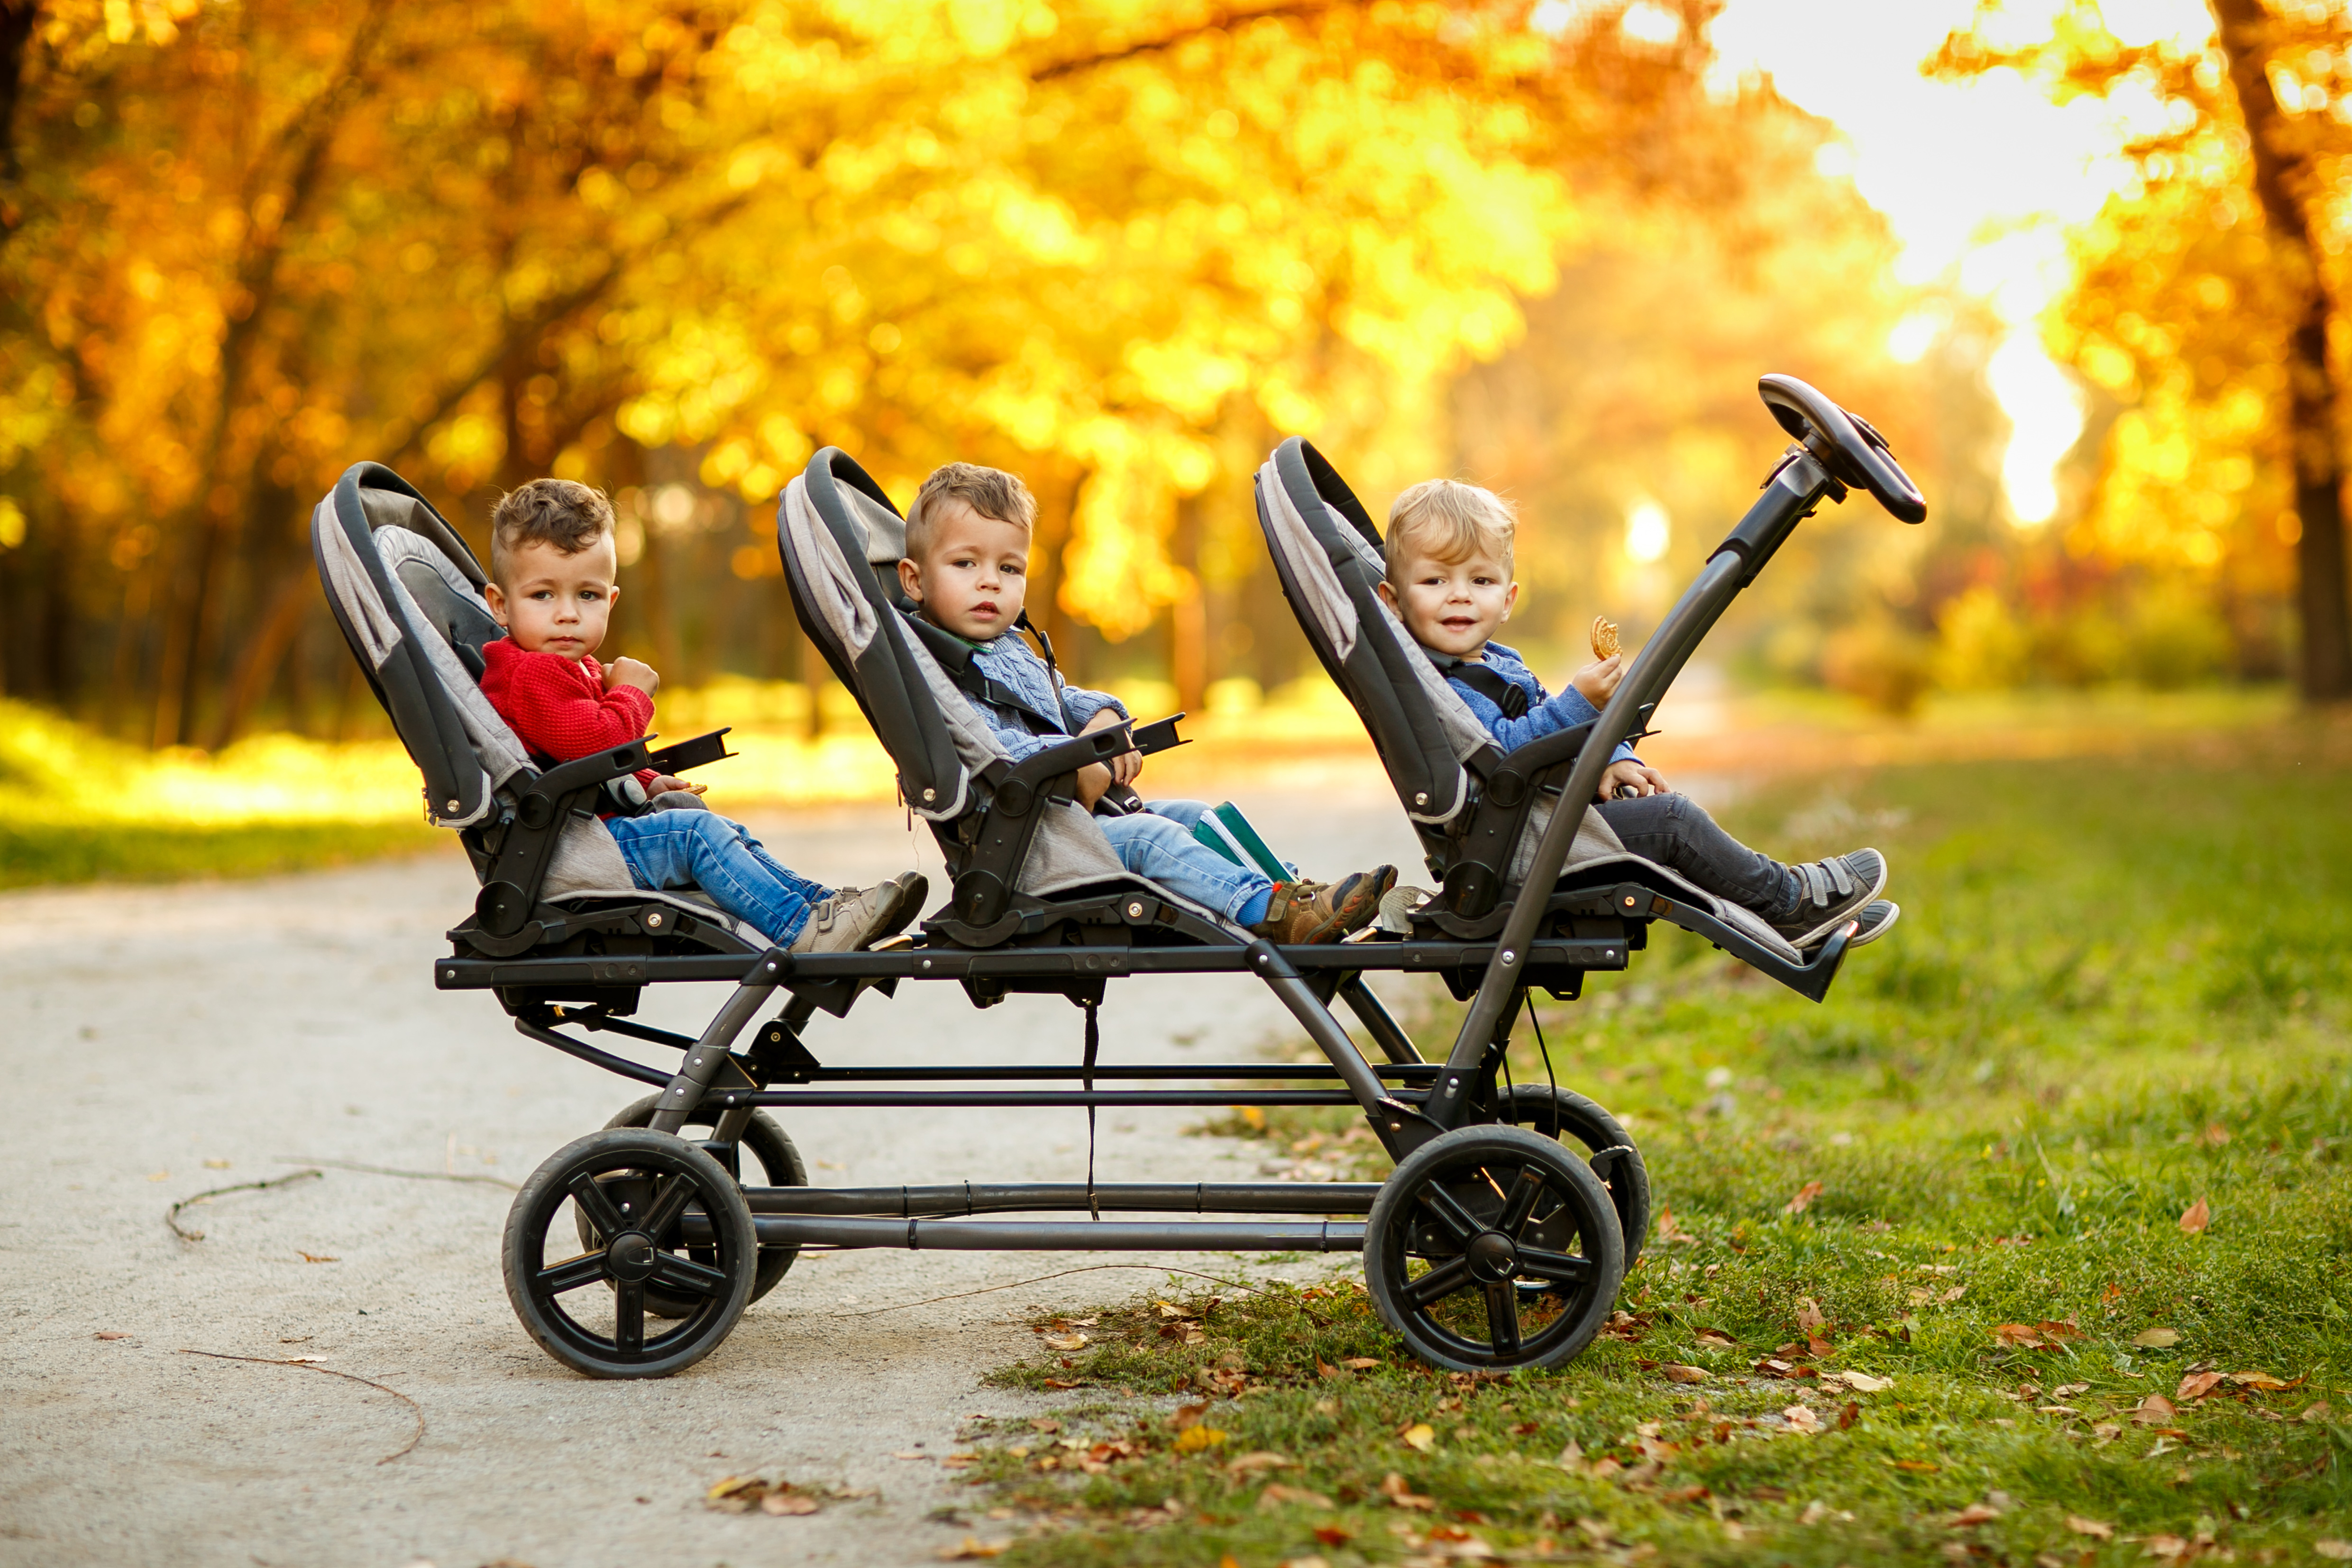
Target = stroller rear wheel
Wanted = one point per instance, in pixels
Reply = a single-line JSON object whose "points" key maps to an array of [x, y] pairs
{"points": [[643, 1194], [1569, 1116], [778, 1164], [1469, 1218]]}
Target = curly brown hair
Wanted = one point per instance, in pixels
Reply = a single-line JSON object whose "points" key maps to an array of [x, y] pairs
{"points": [[563, 512], [992, 493]]}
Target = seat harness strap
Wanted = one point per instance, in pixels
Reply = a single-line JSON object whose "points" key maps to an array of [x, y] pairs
{"points": [[1484, 680], [1087, 1069], [956, 658]]}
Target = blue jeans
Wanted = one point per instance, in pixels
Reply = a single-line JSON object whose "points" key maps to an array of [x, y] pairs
{"points": [[1157, 842], [703, 849]]}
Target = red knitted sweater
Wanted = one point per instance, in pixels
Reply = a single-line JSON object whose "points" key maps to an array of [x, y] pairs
{"points": [[559, 707]]}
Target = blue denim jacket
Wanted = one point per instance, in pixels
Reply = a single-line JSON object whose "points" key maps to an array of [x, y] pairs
{"points": [[1010, 661], [1546, 715]]}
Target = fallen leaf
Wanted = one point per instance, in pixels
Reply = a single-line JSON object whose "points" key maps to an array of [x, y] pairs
{"points": [[1677, 1372], [2091, 1527], [1916, 1466], [1061, 1382], [2068, 1390], [1571, 1458], [1976, 1513], [788, 1503], [1325, 1369], [1952, 1295], [2196, 1385], [973, 1547], [1332, 1535], [1188, 1415], [2341, 1551], [2193, 1220], [2157, 1339], [730, 1485], [1193, 1439], [1276, 1495], [2214, 1135], [1598, 1529], [1808, 1315], [1849, 1416], [2317, 1412], [1420, 1436], [2164, 1546], [2261, 1381], [2023, 1334], [1263, 1460], [110, 1334], [1669, 1231], [1717, 1339], [2156, 1410], [1360, 1362], [910, 1454], [2064, 1328], [1068, 1343], [1393, 1488], [1804, 1198], [1863, 1383], [2108, 1431], [1801, 1418], [314, 1257]]}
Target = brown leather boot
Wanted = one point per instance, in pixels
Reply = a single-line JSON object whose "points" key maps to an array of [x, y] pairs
{"points": [[1324, 911]]}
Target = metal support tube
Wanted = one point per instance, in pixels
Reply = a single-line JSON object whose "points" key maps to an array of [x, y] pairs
{"points": [[981, 1098], [702, 1063], [1388, 1114], [1048, 1236], [949, 1200], [1386, 1032], [1786, 499]]}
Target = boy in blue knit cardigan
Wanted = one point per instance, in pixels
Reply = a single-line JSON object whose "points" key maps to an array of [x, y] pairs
{"points": [[1449, 581]]}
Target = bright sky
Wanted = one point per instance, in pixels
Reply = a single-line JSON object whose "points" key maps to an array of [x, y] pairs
{"points": [[1978, 179]]}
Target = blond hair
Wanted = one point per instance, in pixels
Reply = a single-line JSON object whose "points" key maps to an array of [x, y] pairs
{"points": [[563, 512], [992, 493], [1450, 520]]}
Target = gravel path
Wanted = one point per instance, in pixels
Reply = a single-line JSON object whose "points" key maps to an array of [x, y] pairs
{"points": [[161, 1042]]}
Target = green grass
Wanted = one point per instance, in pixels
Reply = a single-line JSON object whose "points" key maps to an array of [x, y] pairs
{"points": [[34, 852], [2120, 989]]}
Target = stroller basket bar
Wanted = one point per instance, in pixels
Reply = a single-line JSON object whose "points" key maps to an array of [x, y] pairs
{"points": [[1046, 1235], [957, 1199]]}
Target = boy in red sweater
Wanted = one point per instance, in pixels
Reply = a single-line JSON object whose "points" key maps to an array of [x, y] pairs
{"points": [[552, 563]]}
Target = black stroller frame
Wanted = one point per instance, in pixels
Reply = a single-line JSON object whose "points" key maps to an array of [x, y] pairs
{"points": [[1492, 1243]]}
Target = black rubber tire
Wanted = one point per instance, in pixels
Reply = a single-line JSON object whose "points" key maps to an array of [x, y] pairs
{"points": [[780, 1162], [1564, 1114], [1450, 1203], [627, 1172]]}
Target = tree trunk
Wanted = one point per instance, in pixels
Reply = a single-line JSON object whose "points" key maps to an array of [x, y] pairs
{"points": [[2282, 178], [16, 32], [1188, 618]]}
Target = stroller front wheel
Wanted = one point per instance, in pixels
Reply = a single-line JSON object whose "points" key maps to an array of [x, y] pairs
{"points": [[778, 1160], [1564, 1114], [663, 1216], [1469, 1218]]}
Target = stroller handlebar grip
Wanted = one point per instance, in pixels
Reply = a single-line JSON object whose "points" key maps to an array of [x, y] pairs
{"points": [[1844, 443]]}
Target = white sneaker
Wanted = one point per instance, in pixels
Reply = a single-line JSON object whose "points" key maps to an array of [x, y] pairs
{"points": [[855, 917]]}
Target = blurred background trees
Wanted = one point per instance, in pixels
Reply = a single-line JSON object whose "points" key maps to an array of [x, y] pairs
{"points": [[1119, 246]]}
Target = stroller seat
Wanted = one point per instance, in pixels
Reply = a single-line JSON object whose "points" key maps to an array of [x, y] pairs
{"points": [[407, 594], [1028, 865], [1477, 810]]}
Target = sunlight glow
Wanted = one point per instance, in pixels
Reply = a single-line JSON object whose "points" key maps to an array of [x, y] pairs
{"points": [[1648, 532], [2045, 411]]}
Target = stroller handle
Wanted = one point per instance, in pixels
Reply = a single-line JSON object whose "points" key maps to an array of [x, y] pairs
{"points": [[1843, 443]]}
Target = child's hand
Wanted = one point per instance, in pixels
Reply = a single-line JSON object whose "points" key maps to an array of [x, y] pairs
{"points": [[1126, 767], [626, 672], [1092, 783], [1597, 681], [663, 784], [1639, 777]]}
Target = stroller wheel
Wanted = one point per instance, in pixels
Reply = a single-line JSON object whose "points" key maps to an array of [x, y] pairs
{"points": [[1466, 1220], [1572, 1118], [773, 1162], [663, 1215]]}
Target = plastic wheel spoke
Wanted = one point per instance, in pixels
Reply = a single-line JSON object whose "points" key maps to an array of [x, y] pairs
{"points": [[629, 1316], [1521, 1204], [688, 1275], [1558, 1268], [1503, 1318], [1449, 1213], [1440, 1281], [670, 1201], [572, 1273], [596, 1205]]}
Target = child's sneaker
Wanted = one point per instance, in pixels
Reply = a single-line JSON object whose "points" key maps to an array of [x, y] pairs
{"points": [[854, 918], [1835, 890], [1872, 921], [1302, 912]]}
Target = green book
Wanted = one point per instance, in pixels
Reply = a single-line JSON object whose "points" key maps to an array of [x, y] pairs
{"points": [[1229, 832]]}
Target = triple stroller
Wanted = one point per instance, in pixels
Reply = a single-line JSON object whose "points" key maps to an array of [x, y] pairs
{"points": [[1499, 1239]]}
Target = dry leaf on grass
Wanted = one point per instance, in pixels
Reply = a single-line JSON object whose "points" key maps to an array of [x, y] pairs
{"points": [[2193, 1219], [2196, 1385], [788, 1503], [2316, 1413], [2091, 1527], [1188, 1415], [1393, 1488], [1332, 1535], [1277, 1495], [1810, 1317], [1976, 1513], [1801, 1418], [1916, 1466], [1803, 1199], [1068, 1342], [2262, 1381], [2023, 1335], [1669, 1230], [1263, 1460], [1420, 1436], [2068, 1390], [2062, 1330], [2108, 1431], [2165, 1546], [1675, 1371], [2156, 1410], [1360, 1362], [2339, 1551], [1198, 1438], [2157, 1339], [973, 1547], [1716, 1339]]}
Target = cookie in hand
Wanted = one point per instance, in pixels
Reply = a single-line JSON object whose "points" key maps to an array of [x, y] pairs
{"points": [[1605, 637]]}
